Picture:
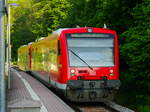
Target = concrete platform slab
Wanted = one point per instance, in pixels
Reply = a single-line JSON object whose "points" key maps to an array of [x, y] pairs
{"points": [[28, 90]]}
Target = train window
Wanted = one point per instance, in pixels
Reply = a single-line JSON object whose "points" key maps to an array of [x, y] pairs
{"points": [[96, 49], [59, 51]]}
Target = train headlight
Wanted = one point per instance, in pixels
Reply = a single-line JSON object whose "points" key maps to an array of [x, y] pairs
{"points": [[111, 71], [72, 71]]}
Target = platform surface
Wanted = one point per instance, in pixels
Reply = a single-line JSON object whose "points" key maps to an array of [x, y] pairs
{"points": [[29, 92]]}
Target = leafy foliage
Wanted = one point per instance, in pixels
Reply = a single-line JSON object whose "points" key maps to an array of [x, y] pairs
{"points": [[37, 21], [48, 15], [136, 51], [21, 31], [94, 13], [137, 41]]}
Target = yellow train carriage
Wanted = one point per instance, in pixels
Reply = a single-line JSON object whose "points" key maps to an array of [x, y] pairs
{"points": [[23, 57], [44, 54]]}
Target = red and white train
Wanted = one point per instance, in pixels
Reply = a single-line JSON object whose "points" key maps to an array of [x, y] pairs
{"points": [[81, 62]]}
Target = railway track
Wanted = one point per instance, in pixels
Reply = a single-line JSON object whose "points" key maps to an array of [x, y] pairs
{"points": [[107, 106], [96, 107]]}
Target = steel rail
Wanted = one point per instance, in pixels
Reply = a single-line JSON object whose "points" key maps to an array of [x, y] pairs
{"points": [[117, 107]]}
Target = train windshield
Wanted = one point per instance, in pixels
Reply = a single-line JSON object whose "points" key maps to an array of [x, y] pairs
{"points": [[94, 49]]}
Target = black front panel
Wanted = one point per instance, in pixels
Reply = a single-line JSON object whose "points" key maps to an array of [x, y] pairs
{"points": [[96, 90]]}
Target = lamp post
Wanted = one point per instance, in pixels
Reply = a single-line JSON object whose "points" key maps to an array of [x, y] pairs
{"points": [[9, 40]]}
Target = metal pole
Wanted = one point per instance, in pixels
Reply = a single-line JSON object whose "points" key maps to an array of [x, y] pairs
{"points": [[2, 59], [6, 66], [9, 47], [9, 41]]}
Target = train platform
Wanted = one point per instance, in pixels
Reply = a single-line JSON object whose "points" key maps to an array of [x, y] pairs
{"points": [[27, 94]]}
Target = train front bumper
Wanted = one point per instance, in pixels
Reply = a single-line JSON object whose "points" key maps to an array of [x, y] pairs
{"points": [[93, 90]]}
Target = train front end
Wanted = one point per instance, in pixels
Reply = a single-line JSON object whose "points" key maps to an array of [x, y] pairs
{"points": [[93, 68]]}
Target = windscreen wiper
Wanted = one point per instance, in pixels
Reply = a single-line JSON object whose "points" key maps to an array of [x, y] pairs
{"points": [[80, 58]]}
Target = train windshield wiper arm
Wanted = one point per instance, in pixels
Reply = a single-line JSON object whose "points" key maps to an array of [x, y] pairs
{"points": [[80, 58]]}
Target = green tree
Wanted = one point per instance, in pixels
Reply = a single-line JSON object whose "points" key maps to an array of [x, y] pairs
{"points": [[94, 13], [136, 53], [136, 48], [21, 30], [48, 15], [35, 20]]}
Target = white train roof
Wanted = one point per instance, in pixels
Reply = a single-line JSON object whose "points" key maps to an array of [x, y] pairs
{"points": [[60, 30]]}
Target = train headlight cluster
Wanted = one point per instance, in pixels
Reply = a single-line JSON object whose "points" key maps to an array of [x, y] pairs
{"points": [[111, 72], [72, 72]]}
